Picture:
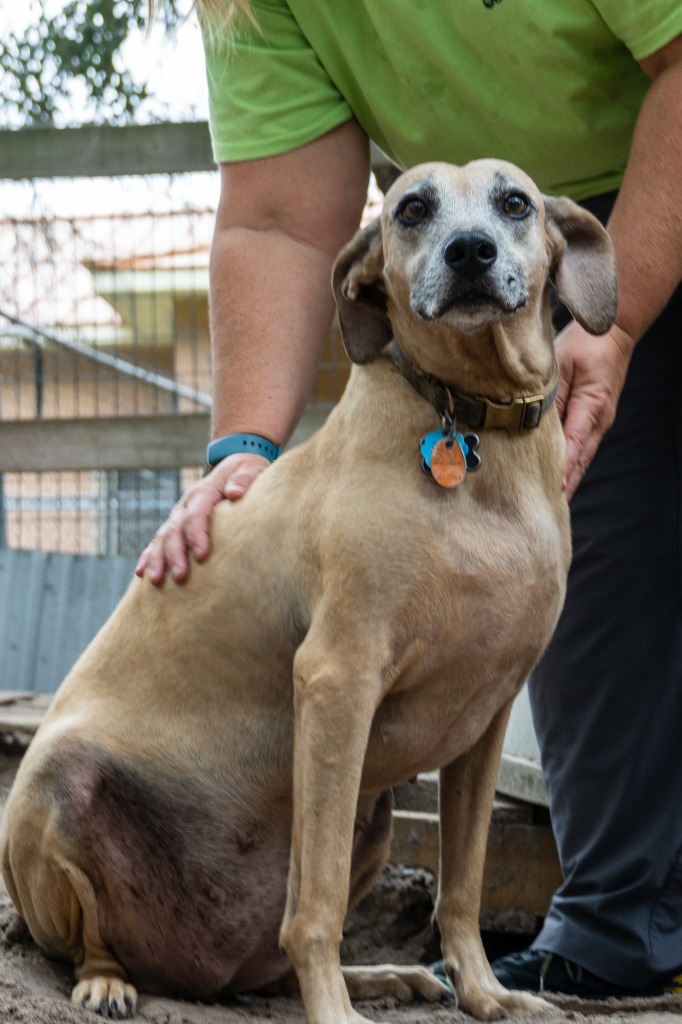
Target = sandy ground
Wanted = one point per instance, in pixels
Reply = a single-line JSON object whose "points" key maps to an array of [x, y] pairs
{"points": [[393, 924], [36, 991]]}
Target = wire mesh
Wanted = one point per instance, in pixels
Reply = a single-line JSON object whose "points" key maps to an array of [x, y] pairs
{"points": [[104, 312], [115, 275]]}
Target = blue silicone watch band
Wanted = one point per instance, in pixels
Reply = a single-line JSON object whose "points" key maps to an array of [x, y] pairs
{"points": [[231, 444]]}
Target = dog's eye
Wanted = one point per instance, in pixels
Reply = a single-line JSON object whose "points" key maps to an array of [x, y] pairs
{"points": [[412, 210], [516, 205]]}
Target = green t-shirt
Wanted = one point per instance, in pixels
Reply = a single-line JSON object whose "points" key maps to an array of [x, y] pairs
{"points": [[550, 85]]}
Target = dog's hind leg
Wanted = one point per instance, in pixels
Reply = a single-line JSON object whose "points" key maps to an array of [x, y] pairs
{"points": [[370, 853], [102, 983], [399, 981], [467, 791], [58, 902], [371, 845]]}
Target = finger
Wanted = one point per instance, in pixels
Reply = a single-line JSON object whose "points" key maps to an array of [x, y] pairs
{"points": [[188, 527], [166, 550], [197, 524], [583, 432], [148, 563], [562, 343], [243, 476], [142, 563], [167, 553], [190, 520], [172, 555]]}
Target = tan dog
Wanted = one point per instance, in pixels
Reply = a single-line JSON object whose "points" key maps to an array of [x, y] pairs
{"points": [[211, 778]]}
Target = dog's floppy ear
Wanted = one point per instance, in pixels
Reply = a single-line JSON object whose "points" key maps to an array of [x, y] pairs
{"points": [[360, 295], [584, 270]]}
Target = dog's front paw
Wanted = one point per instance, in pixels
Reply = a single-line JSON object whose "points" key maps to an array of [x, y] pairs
{"points": [[478, 991], [522, 1003], [109, 997], [486, 1002]]}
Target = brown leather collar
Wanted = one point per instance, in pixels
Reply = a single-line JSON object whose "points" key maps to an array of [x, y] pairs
{"points": [[477, 411]]}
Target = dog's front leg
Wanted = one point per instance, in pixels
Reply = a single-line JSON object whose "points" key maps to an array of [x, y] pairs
{"points": [[467, 791], [334, 703]]}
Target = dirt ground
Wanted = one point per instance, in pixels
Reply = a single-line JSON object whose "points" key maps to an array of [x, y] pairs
{"points": [[393, 924]]}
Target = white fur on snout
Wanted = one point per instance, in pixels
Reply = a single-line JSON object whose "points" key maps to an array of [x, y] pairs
{"points": [[440, 293]]}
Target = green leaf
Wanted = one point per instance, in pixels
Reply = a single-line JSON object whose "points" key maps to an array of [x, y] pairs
{"points": [[81, 42]]}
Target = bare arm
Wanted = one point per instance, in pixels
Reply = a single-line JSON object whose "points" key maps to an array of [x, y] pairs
{"points": [[279, 226], [646, 228]]}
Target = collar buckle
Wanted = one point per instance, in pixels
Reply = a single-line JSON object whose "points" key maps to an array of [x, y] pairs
{"points": [[522, 413]]}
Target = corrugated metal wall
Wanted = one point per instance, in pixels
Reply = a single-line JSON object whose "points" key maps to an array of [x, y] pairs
{"points": [[51, 605]]}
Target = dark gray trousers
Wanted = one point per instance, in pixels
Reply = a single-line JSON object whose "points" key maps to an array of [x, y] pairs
{"points": [[607, 696]]}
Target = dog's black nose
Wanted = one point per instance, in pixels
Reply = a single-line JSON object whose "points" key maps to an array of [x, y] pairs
{"points": [[470, 254]]}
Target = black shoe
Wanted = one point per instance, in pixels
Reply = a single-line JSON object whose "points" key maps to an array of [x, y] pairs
{"points": [[537, 970], [438, 970]]}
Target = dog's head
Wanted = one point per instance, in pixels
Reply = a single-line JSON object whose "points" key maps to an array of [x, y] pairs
{"points": [[458, 250]]}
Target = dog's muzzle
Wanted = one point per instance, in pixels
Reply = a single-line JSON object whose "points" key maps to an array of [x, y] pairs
{"points": [[469, 277]]}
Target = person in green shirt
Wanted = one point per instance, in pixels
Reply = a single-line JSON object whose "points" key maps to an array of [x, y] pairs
{"points": [[586, 96]]}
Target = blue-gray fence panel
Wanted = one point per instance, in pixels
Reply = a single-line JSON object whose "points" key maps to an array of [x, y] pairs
{"points": [[51, 606]]}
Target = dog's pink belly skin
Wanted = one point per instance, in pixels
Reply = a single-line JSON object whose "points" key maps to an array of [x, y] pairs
{"points": [[205, 943], [218, 933], [190, 885], [189, 872]]}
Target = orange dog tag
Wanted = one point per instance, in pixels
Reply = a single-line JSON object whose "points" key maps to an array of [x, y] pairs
{"points": [[448, 464]]}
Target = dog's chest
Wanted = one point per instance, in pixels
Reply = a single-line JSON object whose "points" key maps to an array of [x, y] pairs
{"points": [[426, 732], [445, 699], [484, 555], [486, 603]]}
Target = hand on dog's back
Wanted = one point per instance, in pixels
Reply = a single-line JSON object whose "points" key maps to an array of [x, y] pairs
{"points": [[187, 528]]}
